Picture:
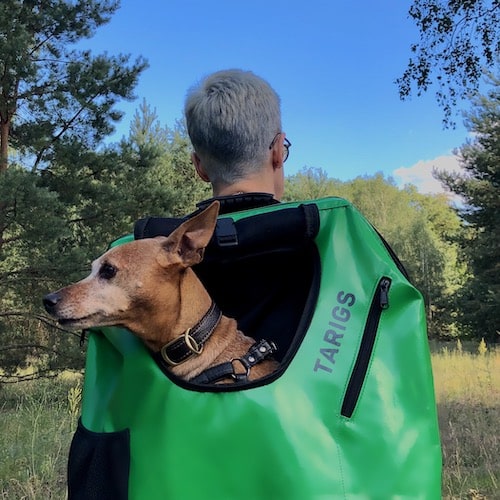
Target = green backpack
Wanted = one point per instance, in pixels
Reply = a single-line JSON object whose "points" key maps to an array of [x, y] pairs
{"points": [[350, 414]]}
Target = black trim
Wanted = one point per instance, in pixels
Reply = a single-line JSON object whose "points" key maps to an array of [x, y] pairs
{"points": [[379, 303], [393, 255], [238, 202], [274, 234], [98, 465], [290, 352]]}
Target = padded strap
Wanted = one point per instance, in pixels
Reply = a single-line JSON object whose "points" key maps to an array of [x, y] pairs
{"points": [[280, 229]]}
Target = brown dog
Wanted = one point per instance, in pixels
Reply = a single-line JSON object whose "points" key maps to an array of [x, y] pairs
{"points": [[148, 287]]}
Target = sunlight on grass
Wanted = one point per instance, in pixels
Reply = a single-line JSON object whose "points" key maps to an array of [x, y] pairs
{"points": [[36, 427], [468, 396]]}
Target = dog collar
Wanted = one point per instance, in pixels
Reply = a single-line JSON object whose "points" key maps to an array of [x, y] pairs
{"points": [[191, 342]]}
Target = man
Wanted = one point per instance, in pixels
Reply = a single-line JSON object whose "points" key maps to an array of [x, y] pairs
{"points": [[234, 122], [233, 119]]}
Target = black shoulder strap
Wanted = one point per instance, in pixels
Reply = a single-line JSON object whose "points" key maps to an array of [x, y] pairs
{"points": [[150, 227], [286, 228]]}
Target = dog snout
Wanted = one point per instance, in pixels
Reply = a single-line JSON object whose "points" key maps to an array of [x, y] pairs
{"points": [[50, 302]]}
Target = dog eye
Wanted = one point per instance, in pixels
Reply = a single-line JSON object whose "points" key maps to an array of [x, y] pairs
{"points": [[107, 271]]}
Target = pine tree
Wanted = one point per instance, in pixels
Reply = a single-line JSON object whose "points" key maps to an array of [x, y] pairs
{"points": [[60, 199], [50, 92], [479, 186]]}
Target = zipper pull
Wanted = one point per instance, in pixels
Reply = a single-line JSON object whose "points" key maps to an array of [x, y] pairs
{"points": [[384, 285]]}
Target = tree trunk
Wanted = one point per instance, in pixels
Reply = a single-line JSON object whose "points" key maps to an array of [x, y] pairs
{"points": [[4, 145]]}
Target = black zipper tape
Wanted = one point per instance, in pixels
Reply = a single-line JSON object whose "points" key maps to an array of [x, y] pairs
{"points": [[380, 302]]}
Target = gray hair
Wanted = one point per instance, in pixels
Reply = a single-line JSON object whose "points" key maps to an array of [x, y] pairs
{"points": [[232, 116]]}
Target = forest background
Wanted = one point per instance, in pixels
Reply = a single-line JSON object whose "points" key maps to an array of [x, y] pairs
{"points": [[66, 191]]}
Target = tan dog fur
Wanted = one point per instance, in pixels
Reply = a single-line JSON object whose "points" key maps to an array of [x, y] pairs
{"points": [[148, 287]]}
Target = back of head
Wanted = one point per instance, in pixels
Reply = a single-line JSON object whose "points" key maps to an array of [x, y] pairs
{"points": [[232, 117]]}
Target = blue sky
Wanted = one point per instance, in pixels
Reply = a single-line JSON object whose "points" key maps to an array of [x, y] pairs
{"points": [[333, 62]]}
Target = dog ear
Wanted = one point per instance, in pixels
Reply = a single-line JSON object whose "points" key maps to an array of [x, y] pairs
{"points": [[189, 240]]}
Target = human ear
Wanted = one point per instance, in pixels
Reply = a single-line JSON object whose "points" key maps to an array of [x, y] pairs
{"points": [[277, 152], [199, 167]]}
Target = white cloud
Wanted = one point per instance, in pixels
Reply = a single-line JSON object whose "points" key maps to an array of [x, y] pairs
{"points": [[420, 174]]}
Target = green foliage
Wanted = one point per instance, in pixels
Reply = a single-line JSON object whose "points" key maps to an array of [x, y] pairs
{"points": [[458, 39], [65, 198], [48, 89], [34, 247], [53, 223], [309, 184], [169, 150], [62, 201], [479, 187]]}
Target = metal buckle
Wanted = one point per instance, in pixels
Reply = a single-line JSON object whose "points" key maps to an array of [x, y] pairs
{"points": [[240, 376], [191, 344]]}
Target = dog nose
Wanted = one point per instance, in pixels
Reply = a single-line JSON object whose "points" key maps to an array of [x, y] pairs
{"points": [[50, 302]]}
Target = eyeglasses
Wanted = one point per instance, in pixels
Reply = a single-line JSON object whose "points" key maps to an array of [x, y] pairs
{"points": [[286, 146]]}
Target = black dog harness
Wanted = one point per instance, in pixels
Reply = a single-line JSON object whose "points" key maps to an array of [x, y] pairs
{"points": [[257, 353]]}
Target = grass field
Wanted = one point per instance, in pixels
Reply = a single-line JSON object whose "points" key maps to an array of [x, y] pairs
{"points": [[37, 420], [467, 388]]}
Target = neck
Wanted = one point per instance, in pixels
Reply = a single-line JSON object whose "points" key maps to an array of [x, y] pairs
{"points": [[194, 302], [184, 313], [260, 182]]}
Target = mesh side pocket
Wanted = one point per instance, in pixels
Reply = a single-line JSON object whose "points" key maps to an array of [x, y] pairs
{"points": [[98, 465]]}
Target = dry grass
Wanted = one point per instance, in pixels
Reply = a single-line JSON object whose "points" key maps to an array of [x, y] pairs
{"points": [[37, 422], [467, 387]]}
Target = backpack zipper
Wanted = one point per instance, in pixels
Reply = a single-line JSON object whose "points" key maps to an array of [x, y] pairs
{"points": [[379, 303]]}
